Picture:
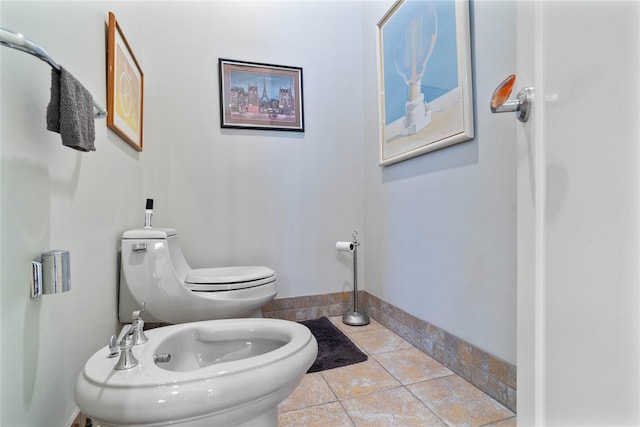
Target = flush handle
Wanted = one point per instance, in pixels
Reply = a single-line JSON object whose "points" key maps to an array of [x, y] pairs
{"points": [[139, 247], [521, 106]]}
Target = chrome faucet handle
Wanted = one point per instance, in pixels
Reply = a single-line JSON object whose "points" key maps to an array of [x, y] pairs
{"points": [[127, 359], [138, 325], [137, 314], [126, 330], [113, 347], [125, 336]]}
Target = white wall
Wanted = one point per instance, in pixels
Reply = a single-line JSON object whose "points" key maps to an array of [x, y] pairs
{"points": [[590, 300], [440, 228], [272, 198], [578, 216], [55, 197]]}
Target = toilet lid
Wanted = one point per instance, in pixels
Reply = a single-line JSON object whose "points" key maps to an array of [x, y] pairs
{"points": [[228, 278], [149, 233]]}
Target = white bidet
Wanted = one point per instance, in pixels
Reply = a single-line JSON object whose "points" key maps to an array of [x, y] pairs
{"points": [[211, 373]]}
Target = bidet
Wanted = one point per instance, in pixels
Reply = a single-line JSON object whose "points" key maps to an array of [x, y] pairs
{"points": [[217, 372]]}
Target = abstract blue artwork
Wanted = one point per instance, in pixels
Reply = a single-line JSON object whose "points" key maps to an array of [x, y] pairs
{"points": [[425, 78]]}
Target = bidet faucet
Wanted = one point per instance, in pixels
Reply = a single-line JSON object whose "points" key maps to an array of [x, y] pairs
{"points": [[127, 359], [130, 335]]}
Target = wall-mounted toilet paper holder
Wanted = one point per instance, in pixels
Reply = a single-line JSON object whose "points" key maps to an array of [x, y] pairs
{"points": [[52, 275]]}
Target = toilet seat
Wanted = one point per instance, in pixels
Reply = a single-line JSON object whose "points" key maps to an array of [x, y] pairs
{"points": [[228, 278]]}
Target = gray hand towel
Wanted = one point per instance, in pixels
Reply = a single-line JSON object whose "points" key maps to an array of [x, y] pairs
{"points": [[70, 111]]}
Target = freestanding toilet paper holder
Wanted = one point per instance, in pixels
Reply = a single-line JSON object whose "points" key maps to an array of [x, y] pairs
{"points": [[354, 317]]}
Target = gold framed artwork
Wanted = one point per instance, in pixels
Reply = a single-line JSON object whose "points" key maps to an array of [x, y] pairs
{"points": [[426, 91], [125, 87]]}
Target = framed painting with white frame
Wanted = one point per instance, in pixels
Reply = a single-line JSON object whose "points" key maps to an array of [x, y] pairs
{"points": [[260, 96], [125, 87], [425, 81]]}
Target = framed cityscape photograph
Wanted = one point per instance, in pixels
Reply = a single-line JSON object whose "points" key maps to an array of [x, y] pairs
{"points": [[425, 86], [260, 96]]}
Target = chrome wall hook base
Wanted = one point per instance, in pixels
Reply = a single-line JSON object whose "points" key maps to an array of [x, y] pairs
{"points": [[521, 106]]}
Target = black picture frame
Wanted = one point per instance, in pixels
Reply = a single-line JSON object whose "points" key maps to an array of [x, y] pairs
{"points": [[260, 96]]}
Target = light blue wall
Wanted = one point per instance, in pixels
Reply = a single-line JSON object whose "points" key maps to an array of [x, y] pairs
{"points": [[440, 228]]}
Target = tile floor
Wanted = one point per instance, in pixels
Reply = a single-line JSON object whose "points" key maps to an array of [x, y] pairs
{"points": [[398, 386]]}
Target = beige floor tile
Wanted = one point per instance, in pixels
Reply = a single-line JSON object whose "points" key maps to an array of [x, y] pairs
{"points": [[459, 403], [312, 391], [361, 378], [328, 415], [394, 407], [511, 422], [347, 329], [379, 341], [411, 365]]}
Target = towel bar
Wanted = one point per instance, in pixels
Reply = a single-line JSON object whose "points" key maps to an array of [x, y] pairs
{"points": [[19, 42]]}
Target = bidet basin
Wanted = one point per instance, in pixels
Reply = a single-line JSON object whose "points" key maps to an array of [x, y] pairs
{"points": [[220, 372], [201, 346]]}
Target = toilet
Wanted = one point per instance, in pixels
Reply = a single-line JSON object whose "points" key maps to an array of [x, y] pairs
{"points": [[155, 272]]}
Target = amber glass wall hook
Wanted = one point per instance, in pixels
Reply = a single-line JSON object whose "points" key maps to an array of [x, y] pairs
{"points": [[500, 102], [502, 92]]}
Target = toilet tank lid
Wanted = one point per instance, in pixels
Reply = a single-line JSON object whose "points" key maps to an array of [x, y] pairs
{"points": [[149, 233]]}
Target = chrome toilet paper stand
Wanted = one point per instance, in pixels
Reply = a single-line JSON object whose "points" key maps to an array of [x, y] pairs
{"points": [[354, 317]]}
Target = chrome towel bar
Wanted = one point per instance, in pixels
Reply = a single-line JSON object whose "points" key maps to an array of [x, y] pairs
{"points": [[18, 41]]}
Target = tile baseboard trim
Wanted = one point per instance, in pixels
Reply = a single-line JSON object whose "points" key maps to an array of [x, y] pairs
{"points": [[309, 307], [487, 372], [490, 374]]}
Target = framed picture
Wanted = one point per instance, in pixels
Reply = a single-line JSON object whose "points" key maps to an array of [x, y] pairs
{"points": [[260, 96], [125, 87], [426, 93]]}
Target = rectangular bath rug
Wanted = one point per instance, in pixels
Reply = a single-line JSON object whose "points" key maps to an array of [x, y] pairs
{"points": [[334, 348]]}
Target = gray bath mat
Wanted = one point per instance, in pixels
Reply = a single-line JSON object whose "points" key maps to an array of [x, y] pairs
{"points": [[334, 348]]}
